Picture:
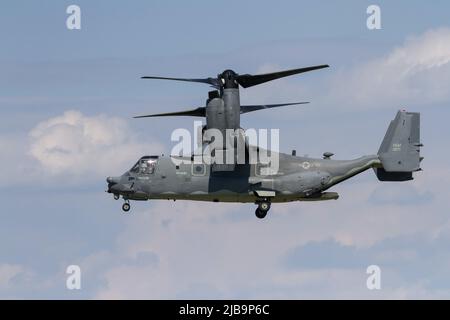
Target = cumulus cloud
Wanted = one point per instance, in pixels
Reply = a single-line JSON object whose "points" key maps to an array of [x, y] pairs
{"points": [[302, 250], [417, 72], [76, 144], [405, 264]]}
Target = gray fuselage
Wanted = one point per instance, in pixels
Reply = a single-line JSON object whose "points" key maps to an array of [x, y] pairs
{"points": [[298, 178]]}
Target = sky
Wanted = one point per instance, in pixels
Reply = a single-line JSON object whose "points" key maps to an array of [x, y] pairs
{"points": [[67, 99]]}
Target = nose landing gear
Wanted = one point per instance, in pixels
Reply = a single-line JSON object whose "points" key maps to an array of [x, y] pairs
{"points": [[126, 206], [263, 208]]}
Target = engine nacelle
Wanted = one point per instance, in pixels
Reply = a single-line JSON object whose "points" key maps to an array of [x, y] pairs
{"points": [[215, 114]]}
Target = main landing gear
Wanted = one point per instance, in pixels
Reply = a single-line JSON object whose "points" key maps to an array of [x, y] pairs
{"points": [[263, 208]]}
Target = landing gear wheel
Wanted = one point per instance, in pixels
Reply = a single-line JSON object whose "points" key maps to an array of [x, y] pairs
{"points": [[260, 213], [264, 206], [116, 196], [126, 207]]}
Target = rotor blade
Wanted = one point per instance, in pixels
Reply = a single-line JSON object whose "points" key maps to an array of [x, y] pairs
{"points": [[199, 112], [248, 80], [250, 108], [211, 81]]}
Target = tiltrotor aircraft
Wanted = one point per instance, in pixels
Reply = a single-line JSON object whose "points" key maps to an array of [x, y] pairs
{"points": [[297, 178]]}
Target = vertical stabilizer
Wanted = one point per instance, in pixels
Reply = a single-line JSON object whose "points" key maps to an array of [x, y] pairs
{"points": [[399, 152]]}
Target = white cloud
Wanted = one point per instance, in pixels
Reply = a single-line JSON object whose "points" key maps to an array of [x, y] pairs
{"points": [[75, 144], [417, 72], [222, 251]]}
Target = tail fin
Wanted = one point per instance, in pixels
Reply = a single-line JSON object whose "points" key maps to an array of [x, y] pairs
{"points": [[399, 152]]}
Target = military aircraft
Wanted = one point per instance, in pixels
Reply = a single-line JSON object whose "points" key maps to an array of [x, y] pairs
{"points": [[296, 179]]}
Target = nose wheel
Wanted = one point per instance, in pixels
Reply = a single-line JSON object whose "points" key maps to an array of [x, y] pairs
{"points": [[126, 207], [263, 208]]}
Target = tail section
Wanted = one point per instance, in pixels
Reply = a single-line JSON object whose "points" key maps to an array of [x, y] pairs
{"points": [[399, 152]]}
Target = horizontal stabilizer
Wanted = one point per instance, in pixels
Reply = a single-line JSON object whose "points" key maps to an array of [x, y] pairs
{"points": [[382, 175]]}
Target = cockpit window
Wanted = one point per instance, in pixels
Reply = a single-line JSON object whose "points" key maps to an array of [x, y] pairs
{"points": [[147, 166], [135, 168]]}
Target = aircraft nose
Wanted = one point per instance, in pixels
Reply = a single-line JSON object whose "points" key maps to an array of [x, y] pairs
{"points": [[112, 180]]}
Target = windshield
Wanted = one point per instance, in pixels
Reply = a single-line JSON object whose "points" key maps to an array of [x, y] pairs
{"points": [[135, 168]]}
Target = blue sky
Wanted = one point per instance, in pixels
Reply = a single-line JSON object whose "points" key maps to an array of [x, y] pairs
{"points": [[67, 98]]}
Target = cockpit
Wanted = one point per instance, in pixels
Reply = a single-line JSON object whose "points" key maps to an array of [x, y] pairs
{"points": [[146, 165]]}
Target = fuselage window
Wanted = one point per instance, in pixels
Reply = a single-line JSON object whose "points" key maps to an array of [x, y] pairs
{"points": [[198, 169]]}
